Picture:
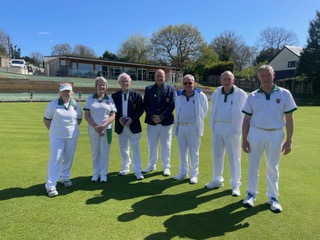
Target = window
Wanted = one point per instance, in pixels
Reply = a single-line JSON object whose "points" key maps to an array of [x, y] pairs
{"points": [[292, 64]]}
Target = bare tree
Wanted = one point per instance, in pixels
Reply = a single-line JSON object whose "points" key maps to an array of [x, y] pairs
{"points": [[275, 38], [177, 45], [136, 49], [61, 49], [4, 43], [231, 47], [83, 51], [37, 58]]}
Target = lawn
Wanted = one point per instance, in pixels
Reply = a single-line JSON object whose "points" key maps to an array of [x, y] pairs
{"points": [[157, 207]]}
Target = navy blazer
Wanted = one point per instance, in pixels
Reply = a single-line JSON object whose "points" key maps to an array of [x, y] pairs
{"points": [[135, 110], [164, 108]]}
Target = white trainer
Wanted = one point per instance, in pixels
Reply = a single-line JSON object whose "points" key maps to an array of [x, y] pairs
{"points": [[275, 205], [52, 192], [193, 180], [236, 192], [66, 183], [249, 200], [214, 185]]}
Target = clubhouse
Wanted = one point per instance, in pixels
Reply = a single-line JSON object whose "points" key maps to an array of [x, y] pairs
{"points": [[75, 66]]}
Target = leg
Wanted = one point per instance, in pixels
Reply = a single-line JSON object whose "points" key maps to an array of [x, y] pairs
{"points": [[123, 140], [165, 145], [153, 137], [68, 156]]}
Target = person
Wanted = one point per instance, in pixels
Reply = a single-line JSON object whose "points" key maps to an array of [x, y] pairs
{"points": [[226, 118], [267, 110], [191, 108], [159, 101], [62, 118], [127, 124], [99, 113]]}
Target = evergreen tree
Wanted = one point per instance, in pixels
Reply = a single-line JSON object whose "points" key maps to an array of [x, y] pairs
{"points": [[309, 64]]}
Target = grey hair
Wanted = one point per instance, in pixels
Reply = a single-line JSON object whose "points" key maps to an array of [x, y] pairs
{"points": [[102, 79], [123, 75], [191, 77], [227, 72], [266, 67]]}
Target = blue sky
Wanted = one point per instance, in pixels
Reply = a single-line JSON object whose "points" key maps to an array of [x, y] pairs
{"points": [[35, 26]]}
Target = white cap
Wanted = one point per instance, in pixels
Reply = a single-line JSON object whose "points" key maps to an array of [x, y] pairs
{"points": [[64, 87]]}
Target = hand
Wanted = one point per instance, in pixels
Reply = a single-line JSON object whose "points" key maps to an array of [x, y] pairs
{"points": [[156, 119], [246, 146], [286, 147]]}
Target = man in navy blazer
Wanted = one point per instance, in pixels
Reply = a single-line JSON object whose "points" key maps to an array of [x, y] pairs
{"points": [[127, 124], [159, 100]]}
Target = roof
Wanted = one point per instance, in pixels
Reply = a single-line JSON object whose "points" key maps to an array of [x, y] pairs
{"points": [[295, 50]]}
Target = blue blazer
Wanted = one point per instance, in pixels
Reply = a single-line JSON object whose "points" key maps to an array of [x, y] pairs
{"points": [[164, 108], [135, 110]]}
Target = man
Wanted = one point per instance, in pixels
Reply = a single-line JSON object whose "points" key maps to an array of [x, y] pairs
{"points": [[159, 101], [191, 108], [130, 108], [226, 117], [267, 110]]}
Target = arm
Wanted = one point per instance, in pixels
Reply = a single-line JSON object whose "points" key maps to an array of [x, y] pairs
{"points": [[286, 147], [47, 123], [245, 131]]}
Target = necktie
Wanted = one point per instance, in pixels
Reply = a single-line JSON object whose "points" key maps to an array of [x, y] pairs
{"points": [[125, 96]]}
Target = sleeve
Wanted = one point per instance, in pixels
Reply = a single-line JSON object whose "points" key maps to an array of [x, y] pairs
{"points": [[79, 111], [49, 111]]}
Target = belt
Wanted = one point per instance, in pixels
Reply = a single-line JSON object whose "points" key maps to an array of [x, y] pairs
{"points": [[186, 124], [268, 129]]}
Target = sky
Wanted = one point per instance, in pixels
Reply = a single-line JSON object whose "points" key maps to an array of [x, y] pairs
{"points": [[103, 25]]}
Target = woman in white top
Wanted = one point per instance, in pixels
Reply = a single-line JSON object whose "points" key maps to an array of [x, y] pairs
{"points": [[62, 118], [100, 113]]}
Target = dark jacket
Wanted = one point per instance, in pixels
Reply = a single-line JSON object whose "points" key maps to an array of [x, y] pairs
{"points": [[164, 108], [135, 110]]}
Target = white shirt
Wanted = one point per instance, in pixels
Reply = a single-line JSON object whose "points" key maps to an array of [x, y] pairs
{"points": [[100, 111], [64, 118]]}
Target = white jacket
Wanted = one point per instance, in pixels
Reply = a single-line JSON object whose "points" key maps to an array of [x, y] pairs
{"points": [[240, 98], [201, 107]]}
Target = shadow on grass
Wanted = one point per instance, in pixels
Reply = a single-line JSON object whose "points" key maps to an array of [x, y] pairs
{"points": [[210, 224], [117, 187], [162, 205]]}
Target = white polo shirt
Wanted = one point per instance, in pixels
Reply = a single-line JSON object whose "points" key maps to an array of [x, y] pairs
{"points": [[64, 118], [267, 111], [100, 111]]}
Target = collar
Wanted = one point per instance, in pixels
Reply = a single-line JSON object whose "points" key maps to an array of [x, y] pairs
{"points": [[275, 88], [231, 91], [71, 103], [95, 95]]}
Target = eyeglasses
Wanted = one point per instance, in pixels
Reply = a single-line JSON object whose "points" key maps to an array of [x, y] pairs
{"points": [[187, 83]]}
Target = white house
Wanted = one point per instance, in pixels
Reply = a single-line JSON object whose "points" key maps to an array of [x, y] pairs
{"points": [[285, 62]]}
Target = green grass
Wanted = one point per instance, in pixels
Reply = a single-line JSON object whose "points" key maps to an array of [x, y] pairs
{"points": [[157, 207]]}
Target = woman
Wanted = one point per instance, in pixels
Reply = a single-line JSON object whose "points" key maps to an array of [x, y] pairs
{"points": [[62, 118], [100, 113]]}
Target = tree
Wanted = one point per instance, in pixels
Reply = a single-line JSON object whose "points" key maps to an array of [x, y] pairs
{"points": [[37, 58], [135, 49], [309, 63], [273, 39], [177, 45], [16, 52], [61, 49], [231, 47], [83, 51], [109, 56], [4, 43], [264, 56]]}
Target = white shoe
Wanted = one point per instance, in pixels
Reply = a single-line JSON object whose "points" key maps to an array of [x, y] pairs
{"points": [[193, 180], [52, 192], [166, 172], [275, 205], [95, 178], [236, 192], [139, 176], [103, 178], [249, 200], [149, 169], [66, 183], [180, 176], [123, 172], [214, 185]]}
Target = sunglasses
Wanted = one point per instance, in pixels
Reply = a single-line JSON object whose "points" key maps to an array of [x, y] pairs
{"points": [[187, 83]]}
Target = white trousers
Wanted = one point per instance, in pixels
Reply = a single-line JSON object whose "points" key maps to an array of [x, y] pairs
{"points": [[164, 135], [223, 140], [62, 152], [134, 138], [271, 143], [189, 143], [100, 152]]}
